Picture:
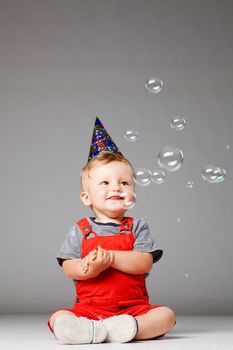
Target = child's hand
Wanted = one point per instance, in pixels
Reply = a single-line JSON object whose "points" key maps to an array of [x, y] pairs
{"points": [[105, 257], [89, 257], [103, 260]]}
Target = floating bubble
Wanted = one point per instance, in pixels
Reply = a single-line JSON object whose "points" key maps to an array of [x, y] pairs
{"points": [[131, 135], [129, 200], [154, 85], [170, 158], [228, 147], [124, 200], [190, 184], [213, 174], [186, 275], [158, 176], [178, 219], [178, 123], [143, 177]]}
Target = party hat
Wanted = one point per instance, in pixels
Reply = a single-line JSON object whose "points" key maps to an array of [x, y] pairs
{"points": [[101, 141]]}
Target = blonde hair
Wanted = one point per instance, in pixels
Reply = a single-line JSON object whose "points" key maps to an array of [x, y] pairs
{"points": [[104, 157]]}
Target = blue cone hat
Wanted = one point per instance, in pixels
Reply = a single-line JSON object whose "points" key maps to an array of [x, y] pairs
{"points": [[101, 141]]}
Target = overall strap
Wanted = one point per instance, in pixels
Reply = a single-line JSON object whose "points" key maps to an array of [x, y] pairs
{"points": [[126, 224], [85, 227]]}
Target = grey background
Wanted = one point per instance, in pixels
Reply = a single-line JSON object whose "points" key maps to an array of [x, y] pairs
{"points": [[64, 62]]}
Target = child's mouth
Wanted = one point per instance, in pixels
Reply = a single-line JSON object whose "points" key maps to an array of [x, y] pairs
{"points": [[116, 198]]}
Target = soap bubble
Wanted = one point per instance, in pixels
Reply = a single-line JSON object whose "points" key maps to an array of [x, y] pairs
{"points": [[154, 85], [131, 135], [178, 123], [158, 176], [190, 184], [170, 158], [228, 147], [186, 275], [143, 177], [178, 219], [129, 200], [213, 174]]}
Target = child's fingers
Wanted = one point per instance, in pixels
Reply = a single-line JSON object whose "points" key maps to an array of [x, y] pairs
{"points": [[100, 251], [94, 251], [84, 265], [104, 254], [92, 255]]}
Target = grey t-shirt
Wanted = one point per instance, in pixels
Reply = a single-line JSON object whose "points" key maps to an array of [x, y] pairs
{"points": [[72, 247]]}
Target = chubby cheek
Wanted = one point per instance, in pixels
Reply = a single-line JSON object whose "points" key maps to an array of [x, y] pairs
{"points": [[102, 194], [100, 197]]}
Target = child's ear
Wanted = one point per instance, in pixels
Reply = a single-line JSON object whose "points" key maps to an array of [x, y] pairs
{"points": [[84, 196]]}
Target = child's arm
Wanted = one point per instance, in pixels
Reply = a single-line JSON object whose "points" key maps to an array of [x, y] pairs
{"points": [[133, 262], [73, 268], [79, 269], [85, 261]]}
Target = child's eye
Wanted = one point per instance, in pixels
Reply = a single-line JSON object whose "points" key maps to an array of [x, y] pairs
{"points": [[104, 183], [124, 183]]}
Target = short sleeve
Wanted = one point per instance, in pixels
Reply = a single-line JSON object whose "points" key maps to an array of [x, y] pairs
{"points": [[144, 242], [72, 247]]}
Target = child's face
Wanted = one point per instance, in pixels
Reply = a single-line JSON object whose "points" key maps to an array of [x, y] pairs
{"points": [[108, 187]]}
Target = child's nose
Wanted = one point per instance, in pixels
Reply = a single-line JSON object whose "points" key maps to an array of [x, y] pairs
{"points": [[116, 187]]}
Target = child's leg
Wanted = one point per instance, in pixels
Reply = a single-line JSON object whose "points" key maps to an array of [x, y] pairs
{"points": [[155, 323], [71, 329], [58, 314]]}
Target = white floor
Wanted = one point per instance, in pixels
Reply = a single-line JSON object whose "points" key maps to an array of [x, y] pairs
{"points": [[191, 332]]}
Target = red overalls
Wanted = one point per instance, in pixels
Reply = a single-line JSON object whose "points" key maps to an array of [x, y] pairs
{"points": [[112, 292]]}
